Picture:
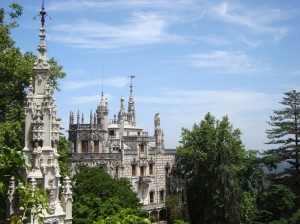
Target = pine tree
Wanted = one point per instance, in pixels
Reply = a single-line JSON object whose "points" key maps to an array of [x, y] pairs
{"points": [[284, 134]]}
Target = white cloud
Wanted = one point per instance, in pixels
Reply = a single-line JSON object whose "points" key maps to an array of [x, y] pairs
{"points": [[115, 82], [260, 20], [248, 110], [225, 62], [141, 29]]}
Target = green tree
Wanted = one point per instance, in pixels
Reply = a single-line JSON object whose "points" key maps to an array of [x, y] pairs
{"points": [[211, 157], [284, 135], [97, 195], [64, 158], [126, 216]]}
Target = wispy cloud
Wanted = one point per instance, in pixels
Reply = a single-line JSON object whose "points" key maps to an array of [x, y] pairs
{"points": [[115, 82], [258, 19], [225, 62], [141, 29], [213, 99], [72, 5]]}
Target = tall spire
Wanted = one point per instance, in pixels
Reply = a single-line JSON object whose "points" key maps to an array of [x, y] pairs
{"points": [[41, 61], [41, 130], [131, 110], [102, 83]]}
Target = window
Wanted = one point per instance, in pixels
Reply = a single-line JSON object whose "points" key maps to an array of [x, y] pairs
{"points": [[75, 146], [139, 133], [96, 146], [117, 172], [84, 146], [111, 133], [142, 171], [151, 169], [133, 170], [151, 195], [161, 196], [142, 150]]}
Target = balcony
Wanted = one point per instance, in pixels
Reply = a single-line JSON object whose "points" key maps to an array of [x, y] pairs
{"points": [[144, 180]]}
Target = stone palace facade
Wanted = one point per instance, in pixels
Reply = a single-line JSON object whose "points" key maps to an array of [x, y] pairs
{"points": [[123, 149]]}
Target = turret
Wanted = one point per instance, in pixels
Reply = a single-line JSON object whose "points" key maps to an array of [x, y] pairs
{"points": [[131, 109], [158, 133], [102, 113], [122, 113]]}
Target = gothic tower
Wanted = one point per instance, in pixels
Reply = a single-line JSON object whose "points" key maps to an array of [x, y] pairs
{"points": [[41, 136]]}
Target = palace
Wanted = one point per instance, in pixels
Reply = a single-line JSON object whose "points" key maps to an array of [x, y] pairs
{"points": [[123, 149]]}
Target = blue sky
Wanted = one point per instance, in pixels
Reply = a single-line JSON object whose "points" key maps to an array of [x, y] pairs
{"points": [[189, 57]]}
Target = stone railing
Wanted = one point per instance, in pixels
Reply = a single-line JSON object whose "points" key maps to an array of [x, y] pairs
{"points": [[154, 206], [95, 156], [170, 151]]}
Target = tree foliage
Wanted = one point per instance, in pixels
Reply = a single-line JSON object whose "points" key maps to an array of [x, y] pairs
{"points": [[211, 158], [126, 216], [96, 195], [285, 134], [64, 157]]}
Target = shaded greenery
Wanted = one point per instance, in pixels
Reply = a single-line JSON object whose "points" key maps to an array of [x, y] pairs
{"points": [[174, 207], [126, 216], [97, 195]]}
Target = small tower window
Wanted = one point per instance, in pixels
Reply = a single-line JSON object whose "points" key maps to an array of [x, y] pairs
{"points": [[142, 171]]}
